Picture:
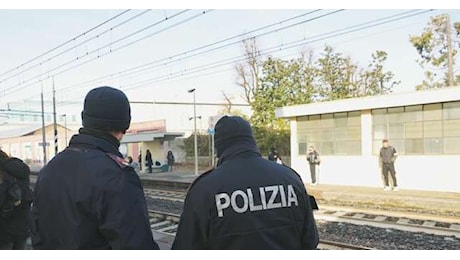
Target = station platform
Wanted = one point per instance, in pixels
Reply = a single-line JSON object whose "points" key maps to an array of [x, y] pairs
{"points": [[446, 204], [169, 176]]}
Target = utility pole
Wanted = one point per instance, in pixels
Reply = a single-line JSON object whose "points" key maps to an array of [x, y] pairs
{"points": [[450, 63], [65, 126], [55, 124], [194, 131], [43, 127]]}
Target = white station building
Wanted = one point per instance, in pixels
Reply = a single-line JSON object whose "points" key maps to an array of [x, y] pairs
{"points": [[423, 126]]}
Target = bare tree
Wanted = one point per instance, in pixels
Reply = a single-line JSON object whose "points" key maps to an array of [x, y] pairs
{"points": [[248, 72], [227, 109]]}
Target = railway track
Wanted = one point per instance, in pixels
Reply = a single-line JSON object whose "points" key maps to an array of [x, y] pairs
{"points": [[402, 221], [405, 221], [164, 227]]}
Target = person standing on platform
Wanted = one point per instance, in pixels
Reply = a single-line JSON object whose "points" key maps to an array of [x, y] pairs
{"points": [[314, 162], [246, 202], [139, 160], [273, 155], [87, 197], [170, 159], [387, 158], [148, 160]]}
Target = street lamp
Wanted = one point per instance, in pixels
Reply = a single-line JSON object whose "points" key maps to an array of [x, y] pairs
{"points": [[194, 132]]}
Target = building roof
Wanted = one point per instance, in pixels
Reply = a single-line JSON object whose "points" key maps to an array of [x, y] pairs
{"points": [[372, 102], [21, 130], [150, 136]]}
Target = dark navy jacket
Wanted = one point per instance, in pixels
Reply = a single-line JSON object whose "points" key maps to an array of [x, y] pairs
{"points": [[247, 202], [16, 226], [86, 198]]}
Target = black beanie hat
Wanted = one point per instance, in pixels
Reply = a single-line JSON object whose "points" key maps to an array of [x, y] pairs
{"points": [[106, 108], [231, 130]]}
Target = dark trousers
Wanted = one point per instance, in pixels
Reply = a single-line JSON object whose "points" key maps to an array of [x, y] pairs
{"points": [[19, 244], [389, 167], [313, 172], [150, 168]]}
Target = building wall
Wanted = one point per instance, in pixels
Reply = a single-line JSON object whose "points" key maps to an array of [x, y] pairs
{"points": [[416, 166], [27, 147], [156, 149], [426, 172]]}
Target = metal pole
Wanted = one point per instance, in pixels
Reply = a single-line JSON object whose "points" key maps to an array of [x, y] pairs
{"points": [[55, 123], [65, 126], [212, 150], [196, 141], [43, 127]]}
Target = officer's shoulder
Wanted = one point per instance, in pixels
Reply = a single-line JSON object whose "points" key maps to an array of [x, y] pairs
{"points": [[119, 161], [296, 174], [202, 178]]}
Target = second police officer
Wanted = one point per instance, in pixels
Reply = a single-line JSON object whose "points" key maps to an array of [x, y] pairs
{"points": [[246, 202], [87, 197]]}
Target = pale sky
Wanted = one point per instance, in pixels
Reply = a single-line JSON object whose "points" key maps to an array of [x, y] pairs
{"points": [[29, 33]]}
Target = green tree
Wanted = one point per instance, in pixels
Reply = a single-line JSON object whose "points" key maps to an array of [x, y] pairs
{"points": [[433, 47], [374, 80], [203, 143], [339, 77], [335, 74], [271, 83], [282, 83]]}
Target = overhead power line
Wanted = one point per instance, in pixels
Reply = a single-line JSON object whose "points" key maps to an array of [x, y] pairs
{"points": [[170, 59], [47, 74], [312, 39], [65, 43], [192, 53], [293, 44], [74, 46]]}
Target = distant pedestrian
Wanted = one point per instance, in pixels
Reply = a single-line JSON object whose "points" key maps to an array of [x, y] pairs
{"points": [[245, 202], [314, 161], [148, 160], [273, 155], [87, 196], [170, 159], [139, 160], [387, 160], [15, 200], [130, 160]]}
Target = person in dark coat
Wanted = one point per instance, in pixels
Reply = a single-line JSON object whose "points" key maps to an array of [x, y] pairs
{"points": [[15, 219], [273, 155], [139, 160], [170, 159], [387, 158], [246, 202], [148, 160], [314, 161], [87, 197]]}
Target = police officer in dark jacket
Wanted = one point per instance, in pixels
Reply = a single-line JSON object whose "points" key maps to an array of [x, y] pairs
{"points": [[87, 197], [246, 202], [15, 219]]}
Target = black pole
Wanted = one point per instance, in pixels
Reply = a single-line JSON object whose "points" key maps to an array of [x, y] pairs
{"points": [[43, 128], [55, 124]]}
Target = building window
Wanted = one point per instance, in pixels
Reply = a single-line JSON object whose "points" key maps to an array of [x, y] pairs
{"points": [[421, 129], [331, 134]]}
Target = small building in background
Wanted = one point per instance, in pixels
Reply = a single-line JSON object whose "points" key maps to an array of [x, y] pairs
{"points": [[151, 135], [25, 142], [423, 126]]}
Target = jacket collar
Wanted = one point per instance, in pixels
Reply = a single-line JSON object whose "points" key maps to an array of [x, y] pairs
{"points": [[95, 143]]}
